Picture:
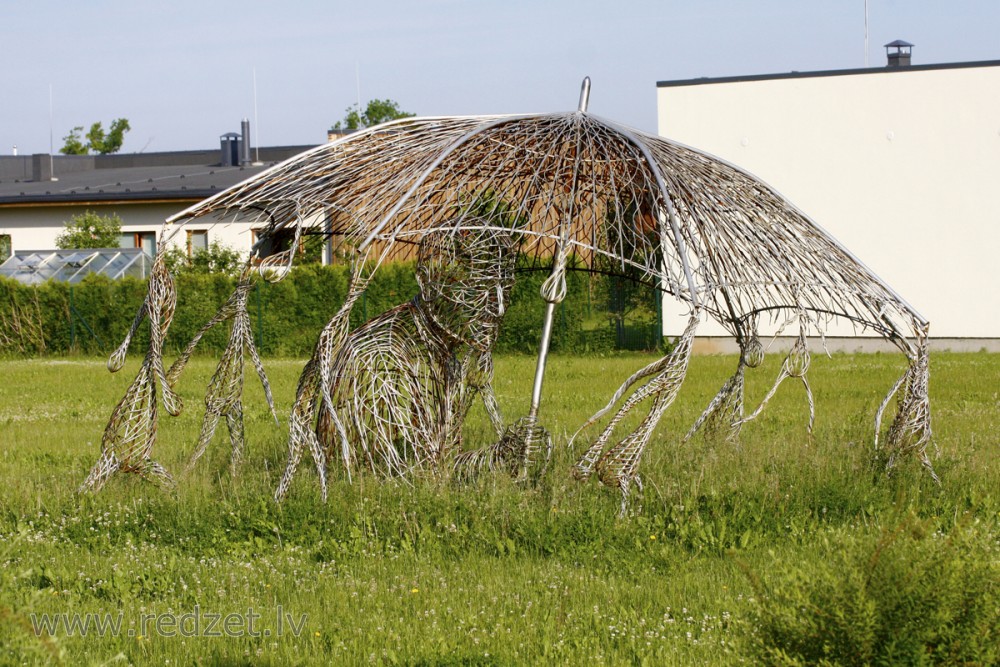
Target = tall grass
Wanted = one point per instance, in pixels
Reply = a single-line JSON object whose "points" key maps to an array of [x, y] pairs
{"points": [[702, 571]]}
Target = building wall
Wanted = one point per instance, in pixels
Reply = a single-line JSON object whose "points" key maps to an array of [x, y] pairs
{"points": [[36, 227], [900, 166]]}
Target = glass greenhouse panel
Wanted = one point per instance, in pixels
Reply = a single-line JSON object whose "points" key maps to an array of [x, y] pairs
{"points": [[36, 266]]}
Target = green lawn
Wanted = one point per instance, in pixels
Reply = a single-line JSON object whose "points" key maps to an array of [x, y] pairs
{"points": [[433, 573]]}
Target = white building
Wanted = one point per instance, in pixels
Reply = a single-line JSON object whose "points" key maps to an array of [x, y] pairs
{"points": [[900, 163], [40, 193]]}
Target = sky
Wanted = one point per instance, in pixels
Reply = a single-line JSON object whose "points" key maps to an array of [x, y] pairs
{"points": [[184, 72]]}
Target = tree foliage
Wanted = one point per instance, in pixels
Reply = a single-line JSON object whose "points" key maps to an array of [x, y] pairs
{"points": [[98, 141], [377, 111], [217, 258], [72, 145], [91, 230]]}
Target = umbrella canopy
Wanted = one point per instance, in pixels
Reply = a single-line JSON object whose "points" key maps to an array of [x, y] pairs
{"points": [[622, 201], [574, 191]]}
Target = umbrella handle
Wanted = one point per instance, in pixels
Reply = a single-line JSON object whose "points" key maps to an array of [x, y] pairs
{"points": [[543, 353], [553, 291]]}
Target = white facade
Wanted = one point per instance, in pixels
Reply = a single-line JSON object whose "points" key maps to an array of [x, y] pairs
{"points": [[36, 227], [900, 165]]}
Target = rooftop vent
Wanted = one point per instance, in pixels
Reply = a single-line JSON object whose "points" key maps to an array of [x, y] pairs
{"points": [[898, 53], [230, 145]]}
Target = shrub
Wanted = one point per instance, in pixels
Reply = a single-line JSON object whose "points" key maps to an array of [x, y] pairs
{"points": [[217, 258], [911, 596]]}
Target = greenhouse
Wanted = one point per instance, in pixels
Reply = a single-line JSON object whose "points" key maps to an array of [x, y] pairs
{"points": [[36, 266]]}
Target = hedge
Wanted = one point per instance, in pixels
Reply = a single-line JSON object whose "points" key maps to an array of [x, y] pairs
{"points": [[599, 314]]}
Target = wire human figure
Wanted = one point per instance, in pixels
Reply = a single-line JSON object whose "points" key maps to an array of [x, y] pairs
{"points": [[225, 389], [128, 440], [405, 380], [402, 384]]}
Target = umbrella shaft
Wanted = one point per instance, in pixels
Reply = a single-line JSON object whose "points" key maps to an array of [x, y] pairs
{"points": [[543, 352]]}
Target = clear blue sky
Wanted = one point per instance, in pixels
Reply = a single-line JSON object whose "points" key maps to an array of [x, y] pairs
{"points": [[182, 71]]}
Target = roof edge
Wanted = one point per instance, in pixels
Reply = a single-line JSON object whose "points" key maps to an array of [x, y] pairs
{"points": [[821, 73], [75, 199]]}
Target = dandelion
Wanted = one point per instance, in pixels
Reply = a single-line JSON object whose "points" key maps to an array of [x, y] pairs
{"points": [[414, 590], [316, 634], [652, 537]]}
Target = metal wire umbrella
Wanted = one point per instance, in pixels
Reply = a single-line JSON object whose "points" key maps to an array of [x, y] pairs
{"points": [[576, 192]]}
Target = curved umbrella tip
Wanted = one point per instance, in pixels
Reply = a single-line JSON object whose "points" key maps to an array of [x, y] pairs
{"points": [[584, 94]]}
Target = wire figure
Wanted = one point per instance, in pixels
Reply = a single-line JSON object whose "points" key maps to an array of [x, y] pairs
{"points": [[128, 440], [403, 383], [225, 389]]}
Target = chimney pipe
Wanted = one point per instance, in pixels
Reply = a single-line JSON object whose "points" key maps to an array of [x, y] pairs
{"points": [[41, 167], [245, 148], [898, 53]]}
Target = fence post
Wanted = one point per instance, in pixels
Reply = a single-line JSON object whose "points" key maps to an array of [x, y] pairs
{"points": [[75, 315], [562, 322], [590, 288], [658, 323], [618, 301], [260, 317], [72, 321]]}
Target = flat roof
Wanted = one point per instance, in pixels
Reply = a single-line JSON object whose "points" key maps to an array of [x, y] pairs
{"points": [[829, 72], [181, 176]]}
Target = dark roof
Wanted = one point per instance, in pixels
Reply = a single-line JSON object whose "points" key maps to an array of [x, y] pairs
{"points": [[832, 72], [145, 177], [899, 42]]}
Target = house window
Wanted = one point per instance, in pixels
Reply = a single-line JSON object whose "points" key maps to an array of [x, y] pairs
{"points": [[197, 241], [278, 241], [5, 247], [282, 240], [144, 240]]}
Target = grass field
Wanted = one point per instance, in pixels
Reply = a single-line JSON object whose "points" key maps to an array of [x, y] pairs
{"points": [[731, 555]]}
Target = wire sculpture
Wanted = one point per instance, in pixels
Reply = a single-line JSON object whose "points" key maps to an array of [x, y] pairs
{"points": [[619, 201], [795, 365], [402, 383], [618, 466], [225, 389], [910, 431], [724, 414], [128, 440]]}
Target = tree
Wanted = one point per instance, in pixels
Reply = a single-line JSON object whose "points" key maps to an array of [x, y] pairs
{"points": [[97, 140], [91, 230], [72, 144], [377, 111], [110, 142]]}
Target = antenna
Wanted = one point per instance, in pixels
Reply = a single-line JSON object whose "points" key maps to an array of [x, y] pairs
{"points": [[52, 171], [357, 74], [866, 33], [256, 125]]}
